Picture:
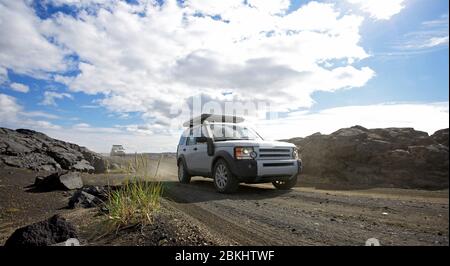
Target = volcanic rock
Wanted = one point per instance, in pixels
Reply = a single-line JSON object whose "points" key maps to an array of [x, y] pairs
{"points": [[388, 157], [45, 233], [24, 148], [59, 181]]}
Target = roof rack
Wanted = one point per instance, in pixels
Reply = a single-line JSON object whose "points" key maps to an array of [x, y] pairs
{"points": [[213, 118]]}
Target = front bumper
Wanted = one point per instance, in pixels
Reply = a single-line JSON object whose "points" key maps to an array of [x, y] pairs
{"points": [[262, 171]]}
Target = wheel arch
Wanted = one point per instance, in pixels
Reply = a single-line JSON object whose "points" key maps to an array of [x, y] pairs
{"points": [[224, 156], [181, 159]]}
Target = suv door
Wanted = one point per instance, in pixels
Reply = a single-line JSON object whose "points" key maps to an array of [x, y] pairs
{"points": [[201, 159], [196, 154], [181, 148], [189, 150]]}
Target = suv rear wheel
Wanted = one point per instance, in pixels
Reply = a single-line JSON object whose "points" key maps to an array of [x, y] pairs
{"points": [[183, 175], [285, 185], [224, 180]]}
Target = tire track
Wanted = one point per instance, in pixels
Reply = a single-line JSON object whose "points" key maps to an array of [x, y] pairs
{"points": [[261, 215], [215, 223]]}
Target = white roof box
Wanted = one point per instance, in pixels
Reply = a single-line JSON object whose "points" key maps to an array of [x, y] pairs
{"points": [[213, 118]]}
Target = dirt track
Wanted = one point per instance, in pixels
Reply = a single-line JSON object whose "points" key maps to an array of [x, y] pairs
{"points": [[261, 215]]}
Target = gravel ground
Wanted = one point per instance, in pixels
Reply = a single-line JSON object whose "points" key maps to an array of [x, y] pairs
{"points": [[20, 206], [168, 228], [195, 214]]}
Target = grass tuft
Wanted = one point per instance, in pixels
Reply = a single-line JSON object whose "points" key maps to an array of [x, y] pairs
{"points": [[138, 199]]}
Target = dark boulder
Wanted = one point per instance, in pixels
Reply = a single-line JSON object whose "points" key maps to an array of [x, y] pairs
{"points": [[33, 161], [84, 200], [71, 180], [83, 166], [98, 191], [97, 161], [88, 197], [392, 157], [441, 136], [26, 148], [59, 181], [45, 233], [38, 180]]}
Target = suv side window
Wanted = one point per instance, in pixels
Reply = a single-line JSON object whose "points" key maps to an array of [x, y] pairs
{"points": [[183, 137], [191, 138], [198, 131]]}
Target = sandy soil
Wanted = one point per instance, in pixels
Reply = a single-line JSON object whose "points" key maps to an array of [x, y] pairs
{"points": [[261, 215]]}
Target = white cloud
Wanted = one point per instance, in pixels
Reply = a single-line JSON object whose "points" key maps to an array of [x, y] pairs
{"points": [[141, 138], [12, 115], [23, 47], [19, 87], [148, 58], [41, 125], [50, 96], [131, 142], [431, 34], [90, 106], [426, 117], [79, 3], [271, 7], [8, 107], [140, 56], [380, 9], [436, 41], [84, 127], [81, 125], [39, 114]]}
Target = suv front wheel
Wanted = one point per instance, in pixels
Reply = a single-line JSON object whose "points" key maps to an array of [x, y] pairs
{"points": [[183, 175], [224, 180], [285, 185]]}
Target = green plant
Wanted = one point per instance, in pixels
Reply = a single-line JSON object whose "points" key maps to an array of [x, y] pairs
{"points": [[137, 199]]}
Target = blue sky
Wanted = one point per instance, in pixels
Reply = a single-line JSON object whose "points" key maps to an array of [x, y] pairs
{"points": [[103, 72]]}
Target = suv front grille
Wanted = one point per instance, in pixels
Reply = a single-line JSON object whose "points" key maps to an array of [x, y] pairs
{"points": [[275, 153], [274, 150], [277, 164]]}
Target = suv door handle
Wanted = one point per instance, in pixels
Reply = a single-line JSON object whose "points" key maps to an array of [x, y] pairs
{"points": [[195, 148], [184, 149]]}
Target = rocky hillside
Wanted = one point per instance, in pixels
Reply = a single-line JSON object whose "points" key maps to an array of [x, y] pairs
{"points": [[26, 148], [392, 157]]}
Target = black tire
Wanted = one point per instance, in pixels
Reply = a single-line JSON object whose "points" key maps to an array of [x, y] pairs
{"points": [[183, 175], [285, 185], [224, 180]]}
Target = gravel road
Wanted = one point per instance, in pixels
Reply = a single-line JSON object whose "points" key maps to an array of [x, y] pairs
{"points": [[262, 215]]}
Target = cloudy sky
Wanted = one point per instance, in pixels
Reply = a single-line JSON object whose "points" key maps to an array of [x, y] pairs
{"points": [[103, 72]]}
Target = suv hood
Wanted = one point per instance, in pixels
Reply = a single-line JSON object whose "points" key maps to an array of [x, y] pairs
{"points": [[257, 143]]}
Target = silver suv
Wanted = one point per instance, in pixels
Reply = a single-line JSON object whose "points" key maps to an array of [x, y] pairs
{"points": [[218, 147]]}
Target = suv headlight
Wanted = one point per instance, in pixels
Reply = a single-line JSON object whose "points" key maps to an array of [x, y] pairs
{"points": [[295, 154], [244, 153]]}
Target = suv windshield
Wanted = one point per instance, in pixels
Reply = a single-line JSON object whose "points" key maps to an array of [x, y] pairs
{"points": [[233, 132]]}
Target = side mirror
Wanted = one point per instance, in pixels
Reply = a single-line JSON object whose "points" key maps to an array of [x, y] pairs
{"points": [[209, 142], [210, 147]]}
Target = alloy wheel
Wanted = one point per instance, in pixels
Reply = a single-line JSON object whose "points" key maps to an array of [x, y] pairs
{"points": [[221, 176]]}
